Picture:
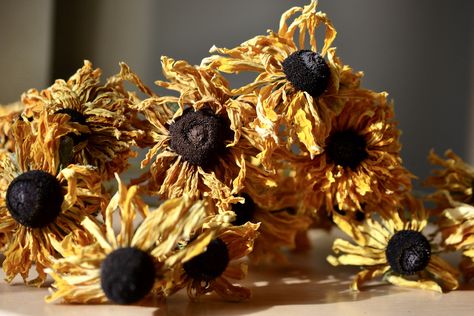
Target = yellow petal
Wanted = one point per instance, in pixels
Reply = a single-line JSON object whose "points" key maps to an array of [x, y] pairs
{"points": [[367, 275], [304, 130], [419, 284]]}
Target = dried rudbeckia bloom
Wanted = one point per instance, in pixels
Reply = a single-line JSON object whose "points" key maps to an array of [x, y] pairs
{"points": [[298, 87], [456, 225], [209, 270], [38, 203], [454, 181], [199, 144], [100, 112], [361, 160], [276, 209], [396, 248], [8, 114], [125, 267]]}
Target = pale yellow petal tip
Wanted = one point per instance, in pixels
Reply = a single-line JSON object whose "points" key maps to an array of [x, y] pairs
{"points": [[415, 284], [333, 260], [355, 286]]}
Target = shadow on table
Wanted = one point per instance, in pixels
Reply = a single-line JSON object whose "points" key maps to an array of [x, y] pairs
{"points": [[295, 284]]}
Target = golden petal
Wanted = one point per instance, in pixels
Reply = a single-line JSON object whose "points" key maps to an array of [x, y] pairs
{"points": [[230, 292], [366, 275], [419, 284], [343, 246], [444, 272]]}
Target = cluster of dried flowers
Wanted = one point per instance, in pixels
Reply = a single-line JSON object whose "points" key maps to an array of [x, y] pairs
{"points": [[236, 173]]}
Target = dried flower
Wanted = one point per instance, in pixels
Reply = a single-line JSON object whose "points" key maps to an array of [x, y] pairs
{"points": [[125, 267], [299, 88], [201, 146], [361, 161], [209, 270], [396, 248], [454, 181], [39, 204], [100, 112]]}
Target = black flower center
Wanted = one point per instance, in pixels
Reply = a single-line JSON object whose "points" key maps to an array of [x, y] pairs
{"points": [[408, 252], [359, 216], [339, 211], [127, 275], [307, 71], [34, 198], [346, 148], [243, 211], [199, 137], [210, 264], [76, 117]]}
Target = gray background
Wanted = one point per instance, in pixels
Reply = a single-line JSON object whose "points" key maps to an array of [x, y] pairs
{"points": [[421, 52]]}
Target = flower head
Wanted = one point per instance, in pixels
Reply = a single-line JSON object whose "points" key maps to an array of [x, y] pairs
{"points": [[127, 266], [456, 225], [107, 127], [453, 182], [299, 87], [200, 144], [276, 209], [209, 270], [40, 204], [396, 248], [361, 162]]}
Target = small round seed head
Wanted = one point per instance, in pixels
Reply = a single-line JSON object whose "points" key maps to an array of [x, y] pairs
{"points": [[210, 264], [34, 198], [307, 71], [127, 275], [346, 148], [359, 216], [199, 137], [408, 252], [76, 117], [243, 211]]}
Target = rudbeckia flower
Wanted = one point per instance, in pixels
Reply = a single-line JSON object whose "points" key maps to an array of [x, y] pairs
{"points": [[454, 181], [276, 210], [456, 225], [8, 114], [127, 266], [200, 144], [38, 203], [210, 270], [396, 249], [101, 113], [300, 87], [361, 161]]}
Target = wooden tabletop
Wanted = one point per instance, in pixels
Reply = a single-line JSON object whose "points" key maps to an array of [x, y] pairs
{"points": [[308, 285]]}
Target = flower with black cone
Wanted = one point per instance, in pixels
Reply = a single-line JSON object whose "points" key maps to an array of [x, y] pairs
{"points": [[346, 148], [34, 198], [243, 211], [127, 275], [210, 264], [408, 252], [199, 136], [307, 71]]}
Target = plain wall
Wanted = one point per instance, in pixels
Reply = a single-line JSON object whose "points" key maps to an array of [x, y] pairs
{"points": [[25, 46], [421, 52]]}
